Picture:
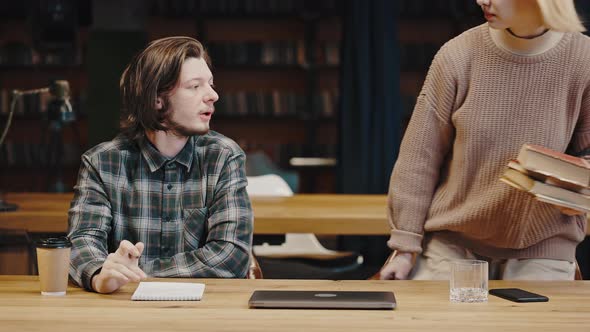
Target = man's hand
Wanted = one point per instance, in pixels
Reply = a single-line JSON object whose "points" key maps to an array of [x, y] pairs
{"points": [[399, 268], [119, 268]]}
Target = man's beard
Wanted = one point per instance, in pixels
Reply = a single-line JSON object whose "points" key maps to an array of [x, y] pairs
{"points": [[178, 129]]}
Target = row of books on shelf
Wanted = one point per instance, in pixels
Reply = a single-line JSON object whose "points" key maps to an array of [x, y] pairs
{"points": [[456, 9], [258, 53], [34, 104], [273, 53], [16, 53], [185, 8], [551, 176], [328, 53], [31, 155], [281, 154], [26, 104], [276, 104]]}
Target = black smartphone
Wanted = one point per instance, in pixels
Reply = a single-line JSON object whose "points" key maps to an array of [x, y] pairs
{"points": [[518, 295]]}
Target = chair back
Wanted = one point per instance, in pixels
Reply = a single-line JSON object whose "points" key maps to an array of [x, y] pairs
{"points": [[259, 163], [268, 185], [254, 271], [578, 273]]}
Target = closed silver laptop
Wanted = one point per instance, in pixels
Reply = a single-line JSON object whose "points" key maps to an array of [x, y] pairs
{"points": [[322, 299]]}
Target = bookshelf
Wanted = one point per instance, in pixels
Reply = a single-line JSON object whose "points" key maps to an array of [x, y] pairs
{"points": [[29, 157], [276, 69], [424, 26], [275, 64]]}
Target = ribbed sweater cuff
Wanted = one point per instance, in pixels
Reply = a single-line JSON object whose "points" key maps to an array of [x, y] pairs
{"points": [[405, 241]]}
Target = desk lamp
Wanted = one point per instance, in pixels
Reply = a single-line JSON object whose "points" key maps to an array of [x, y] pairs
{"points": [[59, 111]]}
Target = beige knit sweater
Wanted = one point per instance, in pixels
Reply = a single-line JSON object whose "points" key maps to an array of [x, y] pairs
{"points": [[478, 106]]}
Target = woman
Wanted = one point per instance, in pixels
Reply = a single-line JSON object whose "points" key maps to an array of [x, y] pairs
{"points": [[522, 77]]}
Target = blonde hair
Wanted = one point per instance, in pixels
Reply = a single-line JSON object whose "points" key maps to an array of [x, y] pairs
{"points": [[560, 15]]}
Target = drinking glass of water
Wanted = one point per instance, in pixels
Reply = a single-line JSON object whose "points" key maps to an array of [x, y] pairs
{"points": [[469, 281]]}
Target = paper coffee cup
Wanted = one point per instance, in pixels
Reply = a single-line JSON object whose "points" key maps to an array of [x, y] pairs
{"points": [[53, 260]]}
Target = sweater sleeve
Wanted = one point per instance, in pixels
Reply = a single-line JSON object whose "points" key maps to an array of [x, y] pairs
{"points": [[580, 143], [424, 147]]}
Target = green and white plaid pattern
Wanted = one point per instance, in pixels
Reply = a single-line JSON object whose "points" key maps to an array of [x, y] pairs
{"points": [[192, 212]]}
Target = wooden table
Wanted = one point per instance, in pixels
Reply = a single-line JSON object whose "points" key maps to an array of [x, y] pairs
{"points": [[422, 306], [319, 214], [333, 214]]}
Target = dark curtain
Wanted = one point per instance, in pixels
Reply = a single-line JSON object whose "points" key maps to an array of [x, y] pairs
{"points": [[370, 109], [108, 54]]}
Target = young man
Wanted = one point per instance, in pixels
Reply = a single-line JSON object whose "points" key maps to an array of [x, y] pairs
{"points": [[167, 197]]}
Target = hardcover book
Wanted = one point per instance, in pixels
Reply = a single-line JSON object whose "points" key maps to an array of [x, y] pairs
{"points": [[546, 192], [555, 164]]}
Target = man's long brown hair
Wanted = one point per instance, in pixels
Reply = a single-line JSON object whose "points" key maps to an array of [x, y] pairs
{"points": [[154, 73]]}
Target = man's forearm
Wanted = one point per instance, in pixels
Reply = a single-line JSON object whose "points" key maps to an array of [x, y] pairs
{"points": [[210, 261]]}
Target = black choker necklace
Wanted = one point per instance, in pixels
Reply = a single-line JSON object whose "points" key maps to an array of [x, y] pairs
{"points": [[527, 37]]}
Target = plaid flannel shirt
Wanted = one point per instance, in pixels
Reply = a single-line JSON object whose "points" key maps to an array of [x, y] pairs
{"points": [[192, 211]]}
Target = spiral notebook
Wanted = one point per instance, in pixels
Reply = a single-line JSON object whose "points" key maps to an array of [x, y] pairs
{"points": [[168, 291]]}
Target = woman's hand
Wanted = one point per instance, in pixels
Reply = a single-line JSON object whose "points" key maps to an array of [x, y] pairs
{"points": [[568, 211], [399, 268]]}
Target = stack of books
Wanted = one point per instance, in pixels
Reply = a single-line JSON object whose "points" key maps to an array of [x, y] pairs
{"points": [[551, 176]]}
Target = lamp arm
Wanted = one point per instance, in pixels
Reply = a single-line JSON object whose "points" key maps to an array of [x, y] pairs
{"points": [[4, 207], [15, 96]]}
